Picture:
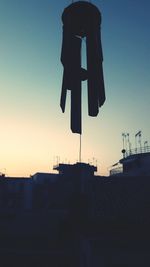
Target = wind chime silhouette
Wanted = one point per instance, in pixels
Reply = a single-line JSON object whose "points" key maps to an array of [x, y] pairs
{"points": [[82, 20]]}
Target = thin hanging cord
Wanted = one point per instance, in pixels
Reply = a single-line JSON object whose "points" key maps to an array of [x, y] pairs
{"points": [[80, 149]]}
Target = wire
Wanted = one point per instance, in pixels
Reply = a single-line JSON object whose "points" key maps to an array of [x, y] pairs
{"points": [[80, 148]]}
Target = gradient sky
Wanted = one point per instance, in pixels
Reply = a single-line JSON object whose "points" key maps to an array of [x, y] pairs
{"points": [[33, 131]]}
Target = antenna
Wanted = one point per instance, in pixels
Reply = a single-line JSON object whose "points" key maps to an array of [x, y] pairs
{"points": [[96, 162], [145, 146], [123, 135], [136, 142], [138, 134], [124, 144], [125, 138], [129, 143]]}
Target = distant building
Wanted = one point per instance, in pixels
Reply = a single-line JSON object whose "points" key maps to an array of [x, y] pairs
{"points": [[79, 167], [137, 164], [134, 163]]}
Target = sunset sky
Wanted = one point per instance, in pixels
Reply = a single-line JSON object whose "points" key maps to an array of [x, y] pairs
{"points": [[33, 130]]}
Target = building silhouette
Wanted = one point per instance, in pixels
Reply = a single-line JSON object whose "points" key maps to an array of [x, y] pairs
{"points": [[74, 218]]}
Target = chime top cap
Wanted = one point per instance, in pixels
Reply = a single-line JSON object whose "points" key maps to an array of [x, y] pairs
{"points": [[80, 17]]}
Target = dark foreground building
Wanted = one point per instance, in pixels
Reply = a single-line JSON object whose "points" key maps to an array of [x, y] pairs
{"points": [[75, 219]]}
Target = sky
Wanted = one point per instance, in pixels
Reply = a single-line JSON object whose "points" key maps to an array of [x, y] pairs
{"points": [[34, 133]]}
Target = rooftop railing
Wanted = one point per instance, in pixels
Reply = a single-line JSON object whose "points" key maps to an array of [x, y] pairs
{"points": [[138, 150]]}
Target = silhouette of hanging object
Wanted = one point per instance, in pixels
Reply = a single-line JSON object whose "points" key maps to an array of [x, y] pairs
{"points": [[82, 19]]}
